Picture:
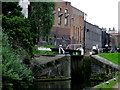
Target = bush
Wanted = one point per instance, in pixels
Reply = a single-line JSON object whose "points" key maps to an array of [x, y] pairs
{"points": [[19, 33], [14, 74]]}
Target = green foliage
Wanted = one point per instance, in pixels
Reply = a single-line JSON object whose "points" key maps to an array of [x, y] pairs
{"points": [[14, 74], [45, 52], [18, 31], [42, 18], [17, 28], [49, 46], [113, 57], [11, 9]]}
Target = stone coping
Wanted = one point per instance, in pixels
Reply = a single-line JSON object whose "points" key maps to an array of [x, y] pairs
{"points": [[105, 61], [53, 79], [46, 59]]}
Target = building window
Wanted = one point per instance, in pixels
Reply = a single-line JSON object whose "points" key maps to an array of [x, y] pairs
{"points": [[66, 11], [59, 15], [66, 16], [66, 21], [59, 20]]}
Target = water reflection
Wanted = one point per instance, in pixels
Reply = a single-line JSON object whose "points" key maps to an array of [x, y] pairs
{"points": [[52, 84], [72, 84]]}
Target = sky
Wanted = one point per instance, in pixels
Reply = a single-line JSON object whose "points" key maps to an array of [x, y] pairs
{"points": [[103, 13]]}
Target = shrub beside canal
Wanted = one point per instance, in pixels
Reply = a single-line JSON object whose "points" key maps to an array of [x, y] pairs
{"points": [[15, 75]]}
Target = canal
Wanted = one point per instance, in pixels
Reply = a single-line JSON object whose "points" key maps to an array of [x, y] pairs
{"points": [[85, 71], [72, 84], [80, 77]]}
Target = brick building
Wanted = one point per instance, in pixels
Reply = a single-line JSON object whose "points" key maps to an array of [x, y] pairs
{"points": [[115, 41], [68, 25], [68, 28], [60, 33], [77, 26]]}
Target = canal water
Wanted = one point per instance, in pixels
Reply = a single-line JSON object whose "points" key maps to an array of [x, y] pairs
{"points": [[73, 84], [70, 84]]}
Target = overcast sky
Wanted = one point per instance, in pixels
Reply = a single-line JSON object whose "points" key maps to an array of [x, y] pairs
{"points": [[103, 13]]}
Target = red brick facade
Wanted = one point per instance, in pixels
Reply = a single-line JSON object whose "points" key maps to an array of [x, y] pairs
{"points": [[72, 32], [115, 40], [77, 26]]}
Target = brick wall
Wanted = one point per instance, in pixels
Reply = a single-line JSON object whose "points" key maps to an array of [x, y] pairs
{"points": [[63, 6], [61, 32], [77, 26], [73, 32]]}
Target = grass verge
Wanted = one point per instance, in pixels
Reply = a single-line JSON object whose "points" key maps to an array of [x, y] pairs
{"points": [[44, 52], [113, 57], [111, 84]]}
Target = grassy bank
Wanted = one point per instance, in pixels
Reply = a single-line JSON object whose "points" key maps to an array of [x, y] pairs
{"points": [[111, 84], [113, 57]]}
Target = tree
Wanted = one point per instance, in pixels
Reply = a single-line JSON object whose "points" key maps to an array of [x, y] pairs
{"points": [[42, 18], [17, 28], [18, 31], [11, 9]]}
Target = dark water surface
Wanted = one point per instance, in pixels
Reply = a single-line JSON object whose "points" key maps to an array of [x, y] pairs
{"points": [[69, 84]]}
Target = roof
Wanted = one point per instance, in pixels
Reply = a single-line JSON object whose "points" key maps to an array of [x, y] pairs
{"points": [[77, 11], [93, 25]]}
